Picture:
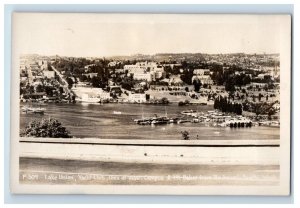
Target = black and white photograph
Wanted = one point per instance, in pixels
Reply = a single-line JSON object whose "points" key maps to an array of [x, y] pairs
{"points": [[150, 104]]}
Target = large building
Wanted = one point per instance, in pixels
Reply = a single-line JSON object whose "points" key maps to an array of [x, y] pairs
{"points": [[205, 79], [203, 75], [134, 69], [137, 98], [143, 76], [149, 71]]}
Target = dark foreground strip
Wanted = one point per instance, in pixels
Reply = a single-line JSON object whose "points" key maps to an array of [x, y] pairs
{"points": [[162, 145]]}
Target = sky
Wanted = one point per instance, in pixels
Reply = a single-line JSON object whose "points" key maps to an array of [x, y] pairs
{"points": [[98, 35]]}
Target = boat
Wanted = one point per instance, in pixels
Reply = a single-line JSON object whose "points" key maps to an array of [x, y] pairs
{"points": [[117, 112], [143, 120], [38, 111], [160, 120], [188, 112], [27, 109]]}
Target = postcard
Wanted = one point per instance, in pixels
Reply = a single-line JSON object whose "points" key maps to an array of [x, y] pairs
{"points": [[176, 104]]}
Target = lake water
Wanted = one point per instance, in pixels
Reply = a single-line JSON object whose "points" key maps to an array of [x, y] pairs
{"points": [[99, 121]]}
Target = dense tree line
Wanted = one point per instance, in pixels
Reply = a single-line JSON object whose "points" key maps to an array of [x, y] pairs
{"points": [[225, 105], [228, 76], [128, 83], [262, 108], [51, 128]]}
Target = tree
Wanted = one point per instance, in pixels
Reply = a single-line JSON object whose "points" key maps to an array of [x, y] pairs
{"points": [[51, 128], [197, 84], [185, 135], [21, 90], [128, 83], [70, 82], [96, 82], [186, 77], [229, 86], [61, 90], [39, 88], [31, 89], [49, 90], [164, 100], [260, 96], [225, 106]]}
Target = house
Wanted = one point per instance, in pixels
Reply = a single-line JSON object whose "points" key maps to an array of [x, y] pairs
{"points": [[159, 74], [201, 72], [112, 63], [49, 74], [261, 76], [91, 75], [119, 71], [258, 85]]}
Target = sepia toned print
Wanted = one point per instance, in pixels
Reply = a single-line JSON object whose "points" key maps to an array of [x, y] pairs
{"points": [[151, 104]]}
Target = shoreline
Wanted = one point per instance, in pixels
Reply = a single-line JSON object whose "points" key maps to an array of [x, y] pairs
{"points": [[146, 152], [203, 143]]}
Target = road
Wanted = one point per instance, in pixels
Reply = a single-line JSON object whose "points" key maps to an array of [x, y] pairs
{"points": [[65, 85]]}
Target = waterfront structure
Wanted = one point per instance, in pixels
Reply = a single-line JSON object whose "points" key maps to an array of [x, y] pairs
{"points": [[88, 94], [137, 98]]}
